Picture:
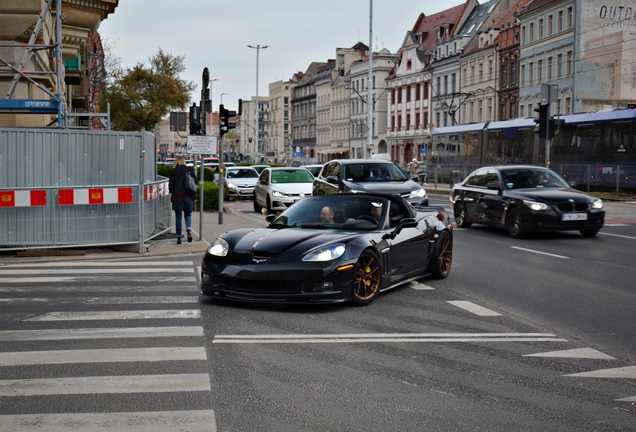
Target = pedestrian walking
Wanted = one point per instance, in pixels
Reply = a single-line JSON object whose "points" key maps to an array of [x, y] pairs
{"points": [[182, 195]]}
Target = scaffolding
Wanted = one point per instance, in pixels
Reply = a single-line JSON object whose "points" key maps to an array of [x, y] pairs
{"points": [[55, 105]]}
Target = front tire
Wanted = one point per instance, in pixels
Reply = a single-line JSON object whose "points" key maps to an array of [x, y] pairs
{"points": [[460, 216], [268, 206], [514, 224], [443, 256], [257, 208], [367, 278]]}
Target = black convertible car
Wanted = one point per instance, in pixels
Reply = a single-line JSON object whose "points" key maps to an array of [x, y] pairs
{"points": [[330, 248], [524, 198]]}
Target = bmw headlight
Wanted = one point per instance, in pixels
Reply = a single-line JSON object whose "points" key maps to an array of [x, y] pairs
{"points": [[536, 206], [326, 253], [279, 194], [597, 204], [418, 193], [219, 248]]}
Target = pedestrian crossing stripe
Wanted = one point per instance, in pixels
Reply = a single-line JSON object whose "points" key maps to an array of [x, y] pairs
{"points": [[118, 315], [100, 333], [586, 353], [60, 264]]}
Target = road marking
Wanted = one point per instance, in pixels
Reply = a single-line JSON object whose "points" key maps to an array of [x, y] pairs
{"points": [[587, 353], [472, 307], [115, 315], [105, 385], [539, 252], [109, 288], [156, 354], [387, 337], [621, 372], [618, 235], [101, 264], [419, 286], [93, 271], [627, 399], [107, 300], [100, 333], [45, 280], [192, 421], [616, 225]]}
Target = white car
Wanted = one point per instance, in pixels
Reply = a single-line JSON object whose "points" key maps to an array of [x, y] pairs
{"points": [[240, 181], [280, 187]]}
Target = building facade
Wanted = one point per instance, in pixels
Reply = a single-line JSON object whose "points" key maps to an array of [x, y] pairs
{"points": [[279, 134]]}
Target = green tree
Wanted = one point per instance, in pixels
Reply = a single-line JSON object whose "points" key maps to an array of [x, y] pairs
{"points": [[140, 97]]}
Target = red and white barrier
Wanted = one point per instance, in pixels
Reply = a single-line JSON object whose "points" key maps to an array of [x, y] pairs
{"points": [[23, 198]]}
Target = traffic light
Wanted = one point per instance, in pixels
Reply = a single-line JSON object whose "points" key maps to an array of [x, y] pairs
{"points": [[553, 126], [542, 121], [195, 120], [225, 115], [237, 140]]}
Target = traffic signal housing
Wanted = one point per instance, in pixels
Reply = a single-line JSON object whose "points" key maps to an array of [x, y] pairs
{"points": [[225, 116], [195, 120], [554, 125], [542, 121]]}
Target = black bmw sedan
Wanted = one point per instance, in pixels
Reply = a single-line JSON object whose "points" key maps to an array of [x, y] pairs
{"points": [[522, 199]]}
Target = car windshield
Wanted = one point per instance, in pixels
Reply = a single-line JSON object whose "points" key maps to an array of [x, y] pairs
{"points": [[338, 212], [292, 176], [241, 173], [529, 178], [373, 172]]}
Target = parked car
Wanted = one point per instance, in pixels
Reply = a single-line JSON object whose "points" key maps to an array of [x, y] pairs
{"points": [[240, 181], [362, 175], [260, 168], [302, 257], [313, 169], [523, 199], [278, 188]]}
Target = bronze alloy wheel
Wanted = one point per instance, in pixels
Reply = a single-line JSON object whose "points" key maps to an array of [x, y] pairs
{"points": [[460, 216], [366, 283]]}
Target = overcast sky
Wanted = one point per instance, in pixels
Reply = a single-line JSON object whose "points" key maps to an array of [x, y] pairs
{"points": [[215, 34]]}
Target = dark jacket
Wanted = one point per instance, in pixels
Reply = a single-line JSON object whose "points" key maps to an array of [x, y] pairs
{"points": [[176, 184]]}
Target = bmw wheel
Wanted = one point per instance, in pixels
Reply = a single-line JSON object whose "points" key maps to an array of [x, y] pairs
{"points": [[367, 278], [514, 224], [460, 216]]}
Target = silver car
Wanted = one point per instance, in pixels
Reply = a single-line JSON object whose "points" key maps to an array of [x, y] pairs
{"points": [[279, 187], [240, 181]]}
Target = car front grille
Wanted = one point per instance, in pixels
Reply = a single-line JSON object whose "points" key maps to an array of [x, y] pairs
{"points": [[570, 207], [252, 286]]}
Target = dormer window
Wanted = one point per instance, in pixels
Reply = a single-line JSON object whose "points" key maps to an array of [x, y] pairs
{"points": [[408, 65]]}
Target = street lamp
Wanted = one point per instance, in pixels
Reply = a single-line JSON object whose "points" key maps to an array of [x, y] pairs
{"points": [[211, 97], [222, 97], [258, 48]]}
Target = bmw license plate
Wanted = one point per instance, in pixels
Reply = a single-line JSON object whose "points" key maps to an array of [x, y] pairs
{"points": [[574, 216]]}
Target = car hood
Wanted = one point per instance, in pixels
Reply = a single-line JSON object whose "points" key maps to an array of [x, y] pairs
{"points": [[270, 242], [390, 187], [551, 195], [243, 181], [293, 188]]}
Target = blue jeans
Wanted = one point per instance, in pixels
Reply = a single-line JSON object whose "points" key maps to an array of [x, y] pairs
{"points": [[183, 206]]}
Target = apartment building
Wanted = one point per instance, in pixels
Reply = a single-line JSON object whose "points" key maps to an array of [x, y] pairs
{"points": [[280, 94]]}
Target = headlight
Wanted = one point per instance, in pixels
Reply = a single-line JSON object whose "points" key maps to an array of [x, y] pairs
{"points": [[327, 253], [278, 194], [597, 204], [219, 247], [536, 206], [231, 185], [418, 193]]}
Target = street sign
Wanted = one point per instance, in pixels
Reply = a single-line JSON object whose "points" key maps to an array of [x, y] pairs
{"points": [[362, 129], [201, 144]]}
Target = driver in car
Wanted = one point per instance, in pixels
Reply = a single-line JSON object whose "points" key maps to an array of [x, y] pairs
{"points": [[327, 215]]}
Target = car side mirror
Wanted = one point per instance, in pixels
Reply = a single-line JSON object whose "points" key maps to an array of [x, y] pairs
{"points": [[493, 186], [572, 184], [404, 223], [270, 218], [332, 180], [263, 182]]}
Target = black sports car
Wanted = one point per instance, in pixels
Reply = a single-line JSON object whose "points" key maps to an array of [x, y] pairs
{"points": [[330, 248], [524, 198]]}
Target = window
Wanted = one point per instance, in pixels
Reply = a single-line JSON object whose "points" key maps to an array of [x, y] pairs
{"points": [[490, 70], [522, 76], [504, 74], [454, 83], [481, 72], [559, 61], [560, 21], [445, 84], [568, 64], [540, 29], [521, 110], [417, 91], [408, 93], [530, 73], [439, 85], [550, 25], [570, 17], [523, 35], [425, 90], [549, 74], [513, 73], [502, 113], [531, 32], [513, 109], [568, 105], [399, 94], [539, 71], [286, 114]]}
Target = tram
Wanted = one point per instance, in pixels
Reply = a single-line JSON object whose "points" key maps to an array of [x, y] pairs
{"points": [[595, 148]]}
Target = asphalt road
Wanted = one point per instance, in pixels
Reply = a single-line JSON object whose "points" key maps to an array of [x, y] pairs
{"points": [[513, 339]]}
